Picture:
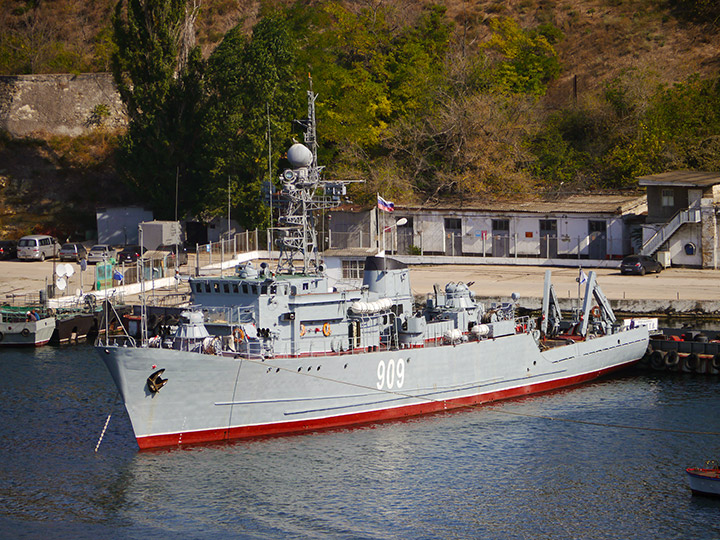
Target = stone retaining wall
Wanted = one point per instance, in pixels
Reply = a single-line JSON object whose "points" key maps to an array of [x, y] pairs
{"points": [[62, 104]]}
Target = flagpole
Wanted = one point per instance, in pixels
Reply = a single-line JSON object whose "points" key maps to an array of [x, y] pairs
{"points": [[377, 221]]}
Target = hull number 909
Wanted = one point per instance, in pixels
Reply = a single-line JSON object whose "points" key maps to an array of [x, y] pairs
{"points": [[391, 374]]}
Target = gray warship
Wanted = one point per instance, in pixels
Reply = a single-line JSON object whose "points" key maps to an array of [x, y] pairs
{"points": [[270, 351]]}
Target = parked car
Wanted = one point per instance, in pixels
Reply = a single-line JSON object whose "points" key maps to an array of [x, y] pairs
{"points": [[8, 249], [72, 251], [176, 250], [130, 253], [639, 264], [37, 247], [99, 253]]}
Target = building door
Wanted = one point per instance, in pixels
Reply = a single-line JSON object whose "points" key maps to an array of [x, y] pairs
{"points": [[597, 239], [548, 238], [453, 236], [500, 237]]}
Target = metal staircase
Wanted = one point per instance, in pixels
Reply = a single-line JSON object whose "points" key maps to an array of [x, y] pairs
{"points": [[691, 215]]}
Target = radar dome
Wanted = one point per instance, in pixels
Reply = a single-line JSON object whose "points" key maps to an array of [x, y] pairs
{"points": [[300, 155]]}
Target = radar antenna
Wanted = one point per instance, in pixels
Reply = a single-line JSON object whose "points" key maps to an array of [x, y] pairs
{"points": [[305, 193]]}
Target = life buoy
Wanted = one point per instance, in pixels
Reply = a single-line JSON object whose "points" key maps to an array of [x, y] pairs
{"points": [[595, 312], [302, 330], [239, 334], [25, 332], [326, 329]]}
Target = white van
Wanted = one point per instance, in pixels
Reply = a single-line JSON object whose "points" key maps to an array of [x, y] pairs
{"points": [[37, 247]]}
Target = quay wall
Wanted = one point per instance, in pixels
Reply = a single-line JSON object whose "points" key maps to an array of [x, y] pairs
{"points": [[59, 104], [685, 308]]}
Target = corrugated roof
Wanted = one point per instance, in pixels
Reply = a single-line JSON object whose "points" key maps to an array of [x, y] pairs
{"points": [[572, 204], [681, 178]]}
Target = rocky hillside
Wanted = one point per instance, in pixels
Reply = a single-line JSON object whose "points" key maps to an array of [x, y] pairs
{"points": [[54, 184]]}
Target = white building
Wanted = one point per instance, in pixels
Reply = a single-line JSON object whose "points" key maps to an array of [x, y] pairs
{"points": [[681, 226], [591, 227]]}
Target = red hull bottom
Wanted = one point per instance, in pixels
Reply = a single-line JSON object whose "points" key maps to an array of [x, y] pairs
{"points": [[382, 415]]}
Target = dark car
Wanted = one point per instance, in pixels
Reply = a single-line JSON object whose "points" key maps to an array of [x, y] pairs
{"points": [[639, 264], [8, 249], [176, 251], [130, 254], [72, 251]]}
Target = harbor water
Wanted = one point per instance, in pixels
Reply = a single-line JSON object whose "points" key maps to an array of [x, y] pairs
{"points": [[605, 460]]}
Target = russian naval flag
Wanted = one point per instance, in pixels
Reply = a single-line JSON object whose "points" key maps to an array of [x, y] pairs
{"points": [[385, 206]]}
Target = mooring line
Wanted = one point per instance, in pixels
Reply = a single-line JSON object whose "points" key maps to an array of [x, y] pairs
{"points": [[107, 421]]}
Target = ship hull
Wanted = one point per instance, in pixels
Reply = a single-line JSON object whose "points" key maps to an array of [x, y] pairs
{"points": [[212, 398]]}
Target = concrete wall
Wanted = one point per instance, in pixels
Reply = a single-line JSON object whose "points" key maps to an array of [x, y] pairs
{"points": [[119, 226], [62, 104]]}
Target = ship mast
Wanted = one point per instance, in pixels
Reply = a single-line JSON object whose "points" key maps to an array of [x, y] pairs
{"points": [[305, 194]]}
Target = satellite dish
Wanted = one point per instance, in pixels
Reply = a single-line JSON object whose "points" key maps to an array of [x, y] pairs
{"points": [[60, 270], [61, 283], [69, 270]]}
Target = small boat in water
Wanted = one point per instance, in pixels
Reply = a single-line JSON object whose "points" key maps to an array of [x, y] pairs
{"points": [[25, 326], [705, 481]]}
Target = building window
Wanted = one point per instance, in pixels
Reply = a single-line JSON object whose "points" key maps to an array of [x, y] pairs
{"points": [[454, 224], [668, 197], [500, 225], [353, 269]]}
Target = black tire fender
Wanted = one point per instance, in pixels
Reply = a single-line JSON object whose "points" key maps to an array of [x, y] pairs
{"points": [[672, 360], [657, 360]]}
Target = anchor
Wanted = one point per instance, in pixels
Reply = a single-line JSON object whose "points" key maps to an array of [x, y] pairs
{"points": [[155, 382]]}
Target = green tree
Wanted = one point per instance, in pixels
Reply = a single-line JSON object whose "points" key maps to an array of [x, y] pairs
{"points": [[159, 78], [250, 82], [523, 61]]}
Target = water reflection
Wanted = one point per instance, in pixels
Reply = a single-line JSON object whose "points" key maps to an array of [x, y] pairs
{"points": [[472, 473]]}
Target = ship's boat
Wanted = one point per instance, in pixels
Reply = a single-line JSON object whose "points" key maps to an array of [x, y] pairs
{"points": [[274, 351]]}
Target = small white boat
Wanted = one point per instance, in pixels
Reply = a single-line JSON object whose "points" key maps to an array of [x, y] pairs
{"points": [[25, 326], [705, 481]]}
